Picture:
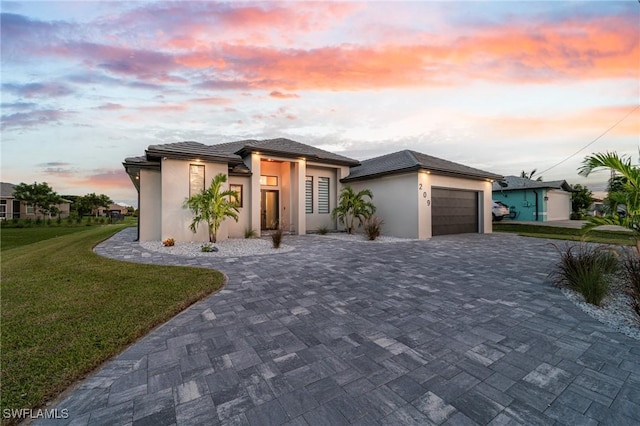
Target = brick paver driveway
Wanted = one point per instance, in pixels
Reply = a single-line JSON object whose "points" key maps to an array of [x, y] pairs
{"points": [[456, 330]]}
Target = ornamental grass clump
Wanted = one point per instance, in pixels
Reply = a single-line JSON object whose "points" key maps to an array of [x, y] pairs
{"points": [[631, 269], [373, 227], [277, 236], [587, 270]]}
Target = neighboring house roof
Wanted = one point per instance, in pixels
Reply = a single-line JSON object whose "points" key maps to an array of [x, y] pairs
{"points": [[6, 189], [407, 161], [514, 183]]}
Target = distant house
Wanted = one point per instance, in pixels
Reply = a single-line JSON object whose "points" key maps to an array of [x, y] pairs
{"points": [[280, 181], [534, 201], [114, 208], [11, 208]]}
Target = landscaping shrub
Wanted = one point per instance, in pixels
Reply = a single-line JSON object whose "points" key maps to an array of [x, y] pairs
{"points": [[276, 237], [208, 248], [373, 227], [323, 230], [631, 268], [586, 269], [169, 242], [250, 233]]}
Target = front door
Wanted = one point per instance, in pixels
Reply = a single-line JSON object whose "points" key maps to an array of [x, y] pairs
{"points": [[269, 207]]}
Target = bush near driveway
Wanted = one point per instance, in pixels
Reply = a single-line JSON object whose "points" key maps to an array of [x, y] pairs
{"points": [[587, 270], [66, 310]]}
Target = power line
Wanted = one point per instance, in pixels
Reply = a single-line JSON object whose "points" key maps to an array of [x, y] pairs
{"points": [[593, 141]]}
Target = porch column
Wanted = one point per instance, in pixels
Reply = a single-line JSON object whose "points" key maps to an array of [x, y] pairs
{"points": [[255, 192], [300, 175]]}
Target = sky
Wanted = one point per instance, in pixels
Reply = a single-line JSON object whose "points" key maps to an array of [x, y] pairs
{"points": [[504, 86]]}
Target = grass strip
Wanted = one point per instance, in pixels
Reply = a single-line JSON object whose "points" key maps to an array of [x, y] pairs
{"points": [[66, 310], [571, 234]]}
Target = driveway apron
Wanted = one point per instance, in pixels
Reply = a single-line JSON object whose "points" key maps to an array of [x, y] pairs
{"points": [[463, 329]]}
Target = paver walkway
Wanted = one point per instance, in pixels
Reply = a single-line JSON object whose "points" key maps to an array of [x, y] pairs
{"points": [[456, 330]]}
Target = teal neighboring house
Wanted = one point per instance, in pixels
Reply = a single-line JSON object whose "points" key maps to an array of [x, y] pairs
{"points": [[534, 201]]}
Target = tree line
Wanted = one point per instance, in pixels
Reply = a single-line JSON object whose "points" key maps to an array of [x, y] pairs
{"points": [[45, 201]]}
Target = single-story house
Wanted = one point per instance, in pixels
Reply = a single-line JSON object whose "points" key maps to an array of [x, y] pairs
{"points": [[281, 182], [533, 200], [113, 208], [11, 208]]}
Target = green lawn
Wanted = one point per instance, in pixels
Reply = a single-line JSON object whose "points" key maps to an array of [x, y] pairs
{"points": [[603, 237], [16, 237], [12, 236], [65, 310]]}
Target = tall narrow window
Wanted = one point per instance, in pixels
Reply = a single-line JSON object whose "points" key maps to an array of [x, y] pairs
{"points": [[196, 179], [323, 195], [237, 200], [308, 192]]}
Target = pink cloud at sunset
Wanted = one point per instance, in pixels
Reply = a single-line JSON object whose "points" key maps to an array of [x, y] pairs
{"points": [[485, 82]]}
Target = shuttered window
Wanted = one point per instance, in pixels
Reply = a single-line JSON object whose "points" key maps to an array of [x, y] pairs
{"points": [[323, 195], [308, 192]]}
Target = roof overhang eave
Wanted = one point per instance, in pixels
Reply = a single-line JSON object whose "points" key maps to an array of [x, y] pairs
{"points": [[490, 177], [159, 154], [284, 154]]}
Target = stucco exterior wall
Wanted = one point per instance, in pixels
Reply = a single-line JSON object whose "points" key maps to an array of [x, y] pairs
{"points": [[558, 207], [524, 202], [396, 203], [236, 229], [175, 189], [316, 219], [150, 221], [484, 187]]}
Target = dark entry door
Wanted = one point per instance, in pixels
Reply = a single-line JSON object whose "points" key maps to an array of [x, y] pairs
{"points": [[269, 208], [453, 211]]}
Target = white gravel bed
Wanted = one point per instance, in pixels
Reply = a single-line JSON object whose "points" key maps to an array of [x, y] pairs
{"points": [[232, 247], [615, 312], [362, 238]]}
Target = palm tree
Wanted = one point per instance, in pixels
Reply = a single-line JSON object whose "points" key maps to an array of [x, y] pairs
{"points": [[353, 206], [529, 175], [213, 205], [628, 194]]}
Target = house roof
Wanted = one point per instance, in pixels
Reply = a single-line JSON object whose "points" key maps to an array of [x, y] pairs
{"points": [[289, 148], [6, 189], [407, 160], [234, 152], [189, 150], [514, 183]]}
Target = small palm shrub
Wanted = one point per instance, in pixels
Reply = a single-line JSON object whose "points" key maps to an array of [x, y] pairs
{"points": [[208, 248], [586, 269], [373, 227], [631, 269], [250, 233]]}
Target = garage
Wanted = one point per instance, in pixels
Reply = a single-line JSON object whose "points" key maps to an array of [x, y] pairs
{"points": [[453, 211]]}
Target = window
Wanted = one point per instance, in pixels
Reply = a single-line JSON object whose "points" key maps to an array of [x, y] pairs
{"points": [[308, 194], [238, 189], [3, 209], [196, 179], [269, 180], [323, 195], [30, 209]]}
